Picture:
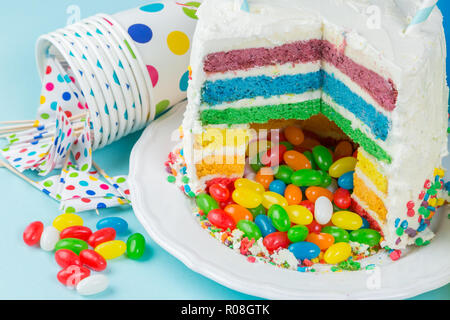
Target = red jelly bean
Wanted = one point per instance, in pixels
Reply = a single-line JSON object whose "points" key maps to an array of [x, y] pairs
{"points": [[276, 240], [101, 236], [93, 260], [224, 204], [308, 204], [32, 233], [342, 198], [72, 275], [274, 156], [219, 192], [314, 227], [76, 232], [65, 258], [221, 219]]}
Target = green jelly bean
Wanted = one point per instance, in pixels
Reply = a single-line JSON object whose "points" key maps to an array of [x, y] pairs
{"points": [[366, 236], [75, 245], [259, 210], [307, 178], [310, 157], [250, 229], [297, 233], [289, 146], [339, 234], [279, 218], [323, 157], [206, 203], [326, 180], [256, 164], [135, 246], [284, 173]]}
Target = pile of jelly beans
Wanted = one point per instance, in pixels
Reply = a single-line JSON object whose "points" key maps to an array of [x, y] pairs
{"points": [[79, 251], [297, 196]]}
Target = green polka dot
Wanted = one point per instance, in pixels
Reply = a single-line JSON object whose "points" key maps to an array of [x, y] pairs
{"points": [[121, 180], [44, 146], [12, 136], [5, 149], [171, 179], [191, 13], [58, 197], [45, 116], [14, 140], [161, 106], [70, 210], [73, 175], [85, 167], [48, 183]]}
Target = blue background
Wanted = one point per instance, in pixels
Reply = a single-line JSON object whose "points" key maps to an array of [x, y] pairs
{"points": [[30, 273]]}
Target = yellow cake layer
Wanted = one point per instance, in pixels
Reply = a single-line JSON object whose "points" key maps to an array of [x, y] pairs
{"points": [[217, 138], [369, 197], [372, 171], [220, 165]]}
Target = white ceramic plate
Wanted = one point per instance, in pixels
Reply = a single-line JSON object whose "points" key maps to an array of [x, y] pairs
{"points": [[166, 215]]}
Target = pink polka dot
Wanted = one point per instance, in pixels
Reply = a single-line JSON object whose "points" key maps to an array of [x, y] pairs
{"points": [[72, 79], [104, 186], [80, 106], [153, 75], [23, 150], [49, 86]]}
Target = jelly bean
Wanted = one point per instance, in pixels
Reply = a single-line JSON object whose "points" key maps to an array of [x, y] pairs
{"points": [[366, 236], [307, 178], [278, 186], [337, 253], [221, 219], [247, 197], [265, 177], [93, 260], [101, 236], [299, 215], [275, 241], [255, 163], [224, 204], [279, 218], [293, 194], [259, 210], [75, 245], [136, 246], [33, 232], [342, 166], [111, 249], [333, 185], [249, 184], [118, 224], [284, 173], [219, 192], [206, 203], [65, 258], [366, 224], [265, 225], [270, 198], [77, 232], [238, 213], [339, 234], [314, 227], [346, 180], [322, 240], [296, 160], [289, 146], [274, 156], [297, 233], [294, 135], [93, 285], [347, 220], [49, 238], [342, 198], [309, 155], [308, 205], [313, 193], [308, 144], [250, 229], [342, 150], [323, 210], [304, 250], [66, 220], [322, 157], [72, 275]]}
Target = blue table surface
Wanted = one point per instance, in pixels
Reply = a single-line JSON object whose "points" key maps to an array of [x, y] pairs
{"points": [[30, 273]]}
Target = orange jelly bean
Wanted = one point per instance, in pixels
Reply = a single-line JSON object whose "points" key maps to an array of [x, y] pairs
{"points": [[322, 240], [294, 135], [343, 149], [308, 144], [296, 160], [293, 195], [238, 213], [313, 193], [265, 177]]}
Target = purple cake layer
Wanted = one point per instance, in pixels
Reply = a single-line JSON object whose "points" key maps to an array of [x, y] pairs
{"points": [[381, 89]]}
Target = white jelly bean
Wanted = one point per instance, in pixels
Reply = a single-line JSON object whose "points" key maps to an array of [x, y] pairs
{"points": [[93, 285], [49, 238], [323, 210]]}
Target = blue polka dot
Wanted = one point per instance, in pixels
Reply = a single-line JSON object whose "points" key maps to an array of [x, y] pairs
{"points": [[125, 115], [17, 159], [106, 109], [184, 81], [83, 183], [140, 33], [101, 205], [60, 78], [32, 153], [66, 96], [54, 105], [153, 7], [90, 193], [116, 79]]}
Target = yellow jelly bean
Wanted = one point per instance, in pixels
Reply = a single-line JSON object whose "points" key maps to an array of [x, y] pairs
{"points": [[249, 184], [347, 220], [111, 249], [300, 215], [66, 220], [337, 253], [342, 166], [248, 198], [270, 198]]}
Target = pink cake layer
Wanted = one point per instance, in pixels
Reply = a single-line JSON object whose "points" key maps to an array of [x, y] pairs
{"points": [[381, 89]]}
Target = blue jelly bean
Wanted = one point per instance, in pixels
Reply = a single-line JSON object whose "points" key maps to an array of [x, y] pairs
{"points": [[278, 186], [118, 224], [265, 225], [366, 224], [305, 250], [346, 180]]}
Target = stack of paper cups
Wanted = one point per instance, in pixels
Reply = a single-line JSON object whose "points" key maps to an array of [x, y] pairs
{"points": [[130, 67]]}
